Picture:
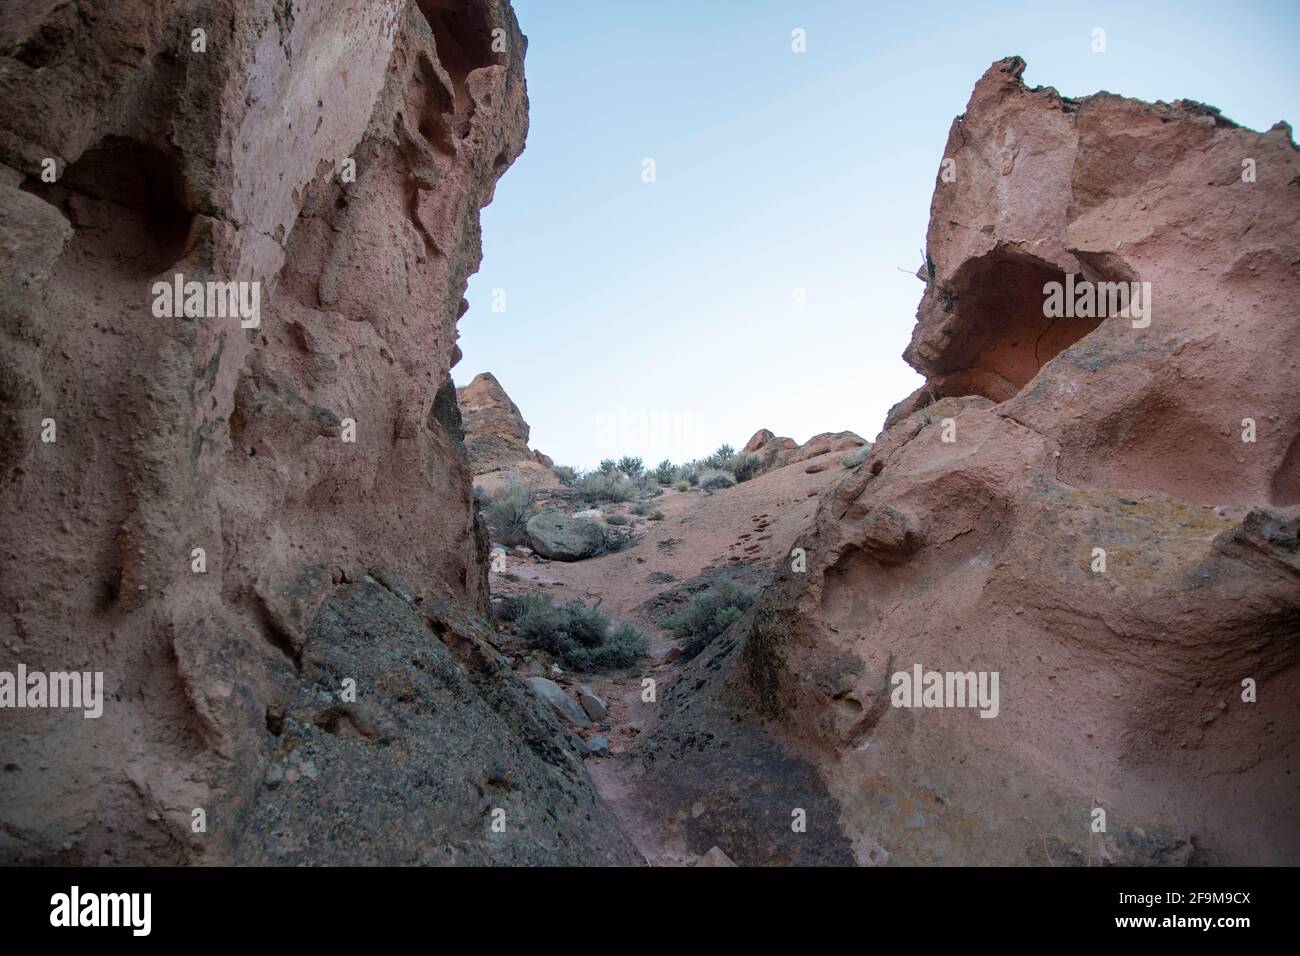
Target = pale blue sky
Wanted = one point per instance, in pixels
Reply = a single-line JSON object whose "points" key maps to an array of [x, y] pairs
{"points": [[657, 319]]}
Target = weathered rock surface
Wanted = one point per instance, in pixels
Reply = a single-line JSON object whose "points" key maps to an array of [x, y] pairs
{"points": [[496, 435], [778, 452], [391, 780], [496, 439], [968, 540], [561, 537], [235, 163]]}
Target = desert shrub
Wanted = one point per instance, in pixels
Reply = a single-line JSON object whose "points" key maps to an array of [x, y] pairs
{"points": [[566, 475], [632, 467], [856, 457], [598, 486], [744, 465], [608, 466], [683, 485], [656, 515], [708, 614], [581, 638], [665, 472], [508, 512], [641, 508], [716, 479], [720, 457], [617, 519]]}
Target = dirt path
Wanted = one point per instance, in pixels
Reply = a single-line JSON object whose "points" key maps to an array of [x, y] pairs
{"points": [[754, 522]]}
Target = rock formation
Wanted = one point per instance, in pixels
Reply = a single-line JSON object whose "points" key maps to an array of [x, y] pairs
{"points": [[1102, 511], [778, 452], [248, 517], [496, 435], [496, 439]]}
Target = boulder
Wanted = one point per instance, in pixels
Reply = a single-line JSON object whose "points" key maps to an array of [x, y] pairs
{"points": [[595, 707], [553, 695], [557, 536]]}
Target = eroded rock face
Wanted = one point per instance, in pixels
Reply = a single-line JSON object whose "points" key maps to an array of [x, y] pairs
{"points": [[496, 435], [972, 537], [202, 520], [777, 452]]}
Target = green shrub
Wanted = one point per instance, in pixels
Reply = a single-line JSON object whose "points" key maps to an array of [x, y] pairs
{"points": [[720, 457], [708, 614], [715, 480], [641, 508], [656, 515], [744, 465], [581, 638], [856, 457], [665, 472], [608, 466], [508, 512], [566, 475], [617, 519], [633, 468], [683, 485], [597, 486]]}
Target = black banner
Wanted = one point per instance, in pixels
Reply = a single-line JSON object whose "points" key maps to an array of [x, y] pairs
{"points": [[333, 906]]}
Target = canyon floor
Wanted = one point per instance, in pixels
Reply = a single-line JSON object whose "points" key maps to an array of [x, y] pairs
{"points": [[737, 532]]}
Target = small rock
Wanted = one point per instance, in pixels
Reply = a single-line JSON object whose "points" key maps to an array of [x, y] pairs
{"points": [[715, 857], [274, 776], [674, 653], [595, 707], [553, 695], [598, 747]]}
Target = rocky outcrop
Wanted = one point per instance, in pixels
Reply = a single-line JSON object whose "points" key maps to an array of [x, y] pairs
{"points": [[496, 435], [1102, 511], [778, 452], [195, 490]]}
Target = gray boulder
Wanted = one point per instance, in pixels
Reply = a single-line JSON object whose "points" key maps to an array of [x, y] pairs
{"points": [[560, 702], [595, 707], [555, 535]]}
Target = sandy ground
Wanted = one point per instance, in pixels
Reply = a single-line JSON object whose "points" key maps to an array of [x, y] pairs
{"points": [[757, 521]]}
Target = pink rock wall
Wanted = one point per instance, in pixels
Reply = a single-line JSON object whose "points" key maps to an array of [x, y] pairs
{"points": [[230, 163]]}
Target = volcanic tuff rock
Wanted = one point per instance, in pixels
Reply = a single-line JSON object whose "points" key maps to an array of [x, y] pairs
{"points": [[235, 162], [778, 452], [496, 435], [968, 541]]}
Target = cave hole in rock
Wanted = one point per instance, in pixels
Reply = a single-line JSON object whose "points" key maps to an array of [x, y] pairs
{"points": [[124, 201], [462, 33], [1001, 335]]}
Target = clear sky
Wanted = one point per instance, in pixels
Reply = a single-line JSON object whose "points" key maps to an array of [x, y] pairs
{"points": [[658, 319]]}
